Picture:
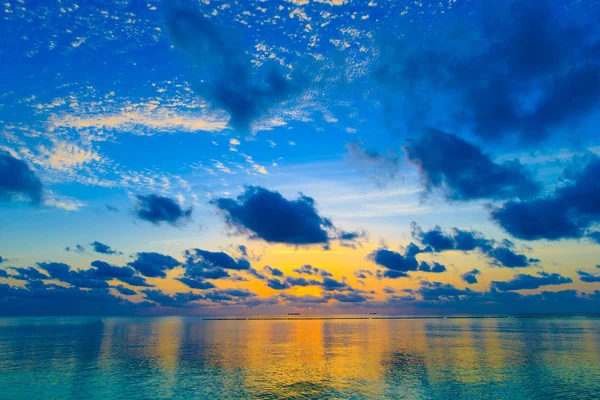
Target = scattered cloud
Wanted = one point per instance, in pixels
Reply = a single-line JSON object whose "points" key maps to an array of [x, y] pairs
{"points": [[158, 209]]}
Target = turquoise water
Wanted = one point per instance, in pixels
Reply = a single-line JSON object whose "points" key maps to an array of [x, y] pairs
{"points": [[183, 358]]}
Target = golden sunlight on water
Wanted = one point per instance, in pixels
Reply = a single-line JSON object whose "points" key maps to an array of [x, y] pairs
{"points": [[178, 357]]}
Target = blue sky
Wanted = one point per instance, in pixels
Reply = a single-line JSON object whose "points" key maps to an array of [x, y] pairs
{"points": [[299, 132]]}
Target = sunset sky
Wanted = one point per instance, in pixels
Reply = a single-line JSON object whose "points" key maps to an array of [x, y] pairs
{"points": [[314, 156]]}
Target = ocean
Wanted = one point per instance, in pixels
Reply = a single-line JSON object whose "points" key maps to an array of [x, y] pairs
{"points": [[194, 358]]}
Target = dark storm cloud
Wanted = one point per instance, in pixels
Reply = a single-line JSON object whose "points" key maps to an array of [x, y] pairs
{"points": [[153, 265], [103, 248], [3, 274], [263, 214], [502, 254], [522, 69], [462, 172], [588, 277], [471, 276], [310, 270], [524, 281], [158, 209], [2, 259], [17, 179], [568, 213], [231, 83]]}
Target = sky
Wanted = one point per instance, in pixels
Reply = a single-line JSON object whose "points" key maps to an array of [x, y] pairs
{"points": [[314, 156]]}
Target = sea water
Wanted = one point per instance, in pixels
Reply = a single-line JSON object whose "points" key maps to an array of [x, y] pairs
{"points": [[193, 358]]}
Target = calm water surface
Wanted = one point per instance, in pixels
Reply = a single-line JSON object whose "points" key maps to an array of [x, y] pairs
{"points": [[186, 358]]}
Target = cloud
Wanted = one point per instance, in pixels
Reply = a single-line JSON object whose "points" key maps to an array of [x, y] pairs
{"points": [[524, 281], [461, 172], [178, 300], [158, 209], [125, 291], [28, 274], [330, 284], [471, 276], [203, 264], [103, 248], [273, 271], [153, 265], [228, 294], [434, 267], [136, 280], [263, 214], [79, 249], [381, 168], [106, 271], [38, 298], [277, 284], [396, 262], [196, 283], [439, 291], [3, 274], [77, 278], [568, 213], [230, 84], [528, 72], [304, 299], [348, 297], [93, 278], [502, 254], [198, 258], [588, 277], [363, 273], [17, 179], [301, 281], [310, 270]]}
